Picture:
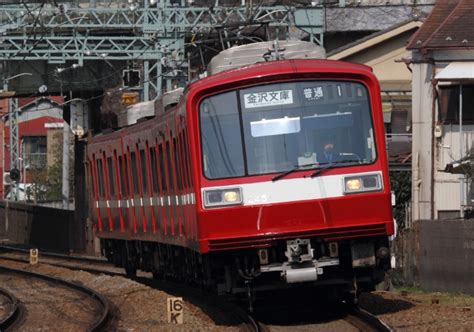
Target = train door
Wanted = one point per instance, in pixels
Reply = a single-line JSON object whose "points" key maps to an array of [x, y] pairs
{"points": [[191, 222], [143, 188], [95, 191], [112, 192], [162, 213], [163, 149], [133, 185], [125, 187], [171, 177], [178, 183], [152, 185], [118, 179], [106, 192], [101, 200]]}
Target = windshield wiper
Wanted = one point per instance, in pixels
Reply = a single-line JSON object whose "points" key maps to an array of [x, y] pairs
{"points": [[294, 169], [333, 164]]}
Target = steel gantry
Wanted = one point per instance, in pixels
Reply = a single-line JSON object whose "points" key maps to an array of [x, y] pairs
{"points": [[133, 31], [153, 36]]}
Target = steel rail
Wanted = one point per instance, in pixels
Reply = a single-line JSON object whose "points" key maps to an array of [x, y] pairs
{"points": [[194, 294], [56, 255], [365, 321], [100, 323], [14, 315], [66, 266], [250, 324]]}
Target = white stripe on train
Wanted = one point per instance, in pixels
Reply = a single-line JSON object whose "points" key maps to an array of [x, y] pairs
{"points": [[292, 190], [260, 193], [186, 199]]}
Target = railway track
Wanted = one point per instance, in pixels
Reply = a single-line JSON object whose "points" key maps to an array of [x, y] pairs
{"points": [[232, 312], [358, 318], [6, 248], [55, 302], [218, 308], [76, 263], [11, 312], [304, 310]]}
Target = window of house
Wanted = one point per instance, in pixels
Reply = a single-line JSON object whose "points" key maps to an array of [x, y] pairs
{"points": [[35, 151], [449, 104]]}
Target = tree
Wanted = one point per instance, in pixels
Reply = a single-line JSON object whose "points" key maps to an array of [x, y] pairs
{"points": [[46, 182]]}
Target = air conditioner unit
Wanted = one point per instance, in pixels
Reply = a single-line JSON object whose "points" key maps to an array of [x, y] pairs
{"points": [[6, 179]]}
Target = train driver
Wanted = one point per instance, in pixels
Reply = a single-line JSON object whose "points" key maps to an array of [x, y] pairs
{"points": [[329, 154]]}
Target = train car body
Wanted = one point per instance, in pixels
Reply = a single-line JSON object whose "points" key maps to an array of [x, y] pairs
{"points": [[234, 187]]}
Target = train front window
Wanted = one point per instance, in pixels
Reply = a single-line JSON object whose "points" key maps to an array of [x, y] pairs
{"points": [[273, 128]]}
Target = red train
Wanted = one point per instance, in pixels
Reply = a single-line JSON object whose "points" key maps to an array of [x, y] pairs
{"points": [[266, 176]]}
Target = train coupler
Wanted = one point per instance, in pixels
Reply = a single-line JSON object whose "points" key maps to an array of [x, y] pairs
{"points": [[301, 266]]}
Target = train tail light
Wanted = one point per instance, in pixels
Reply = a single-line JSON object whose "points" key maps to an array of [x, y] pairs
{"points": [[223, 197]]}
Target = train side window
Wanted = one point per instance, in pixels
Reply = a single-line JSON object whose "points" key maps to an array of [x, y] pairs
{"points": [[144, 172], [100, 177], [161, 159], [170, 169], [179, 181], [133, 162], [121, 176], [154, 164], [128, 187], [110, 168], [91, 177], [187, 157]]}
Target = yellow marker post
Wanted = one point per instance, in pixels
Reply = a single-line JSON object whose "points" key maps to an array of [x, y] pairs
{"points": [[34, 256], [175, 310]]}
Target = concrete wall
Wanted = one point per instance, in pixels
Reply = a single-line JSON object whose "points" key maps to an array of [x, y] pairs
{"points": [[437, 255], [447, 255], [39, 226]]}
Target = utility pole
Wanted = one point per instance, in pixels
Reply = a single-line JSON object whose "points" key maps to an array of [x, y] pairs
{"points": [[14, 143], [65, 168], [14, 137]]}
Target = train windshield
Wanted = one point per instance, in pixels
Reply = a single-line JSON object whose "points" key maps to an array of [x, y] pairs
{"points": [[276, 127]]}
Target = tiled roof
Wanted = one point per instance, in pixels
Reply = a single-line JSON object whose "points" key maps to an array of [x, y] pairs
{"points": [[449, 26]]}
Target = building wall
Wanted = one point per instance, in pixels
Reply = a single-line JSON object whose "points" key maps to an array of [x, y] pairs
{"points": [[385, 58], [437, 194]]}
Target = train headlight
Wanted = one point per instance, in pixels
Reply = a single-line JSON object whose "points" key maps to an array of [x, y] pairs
{"points": [[222, 197], [353, 184], [357, 184]]}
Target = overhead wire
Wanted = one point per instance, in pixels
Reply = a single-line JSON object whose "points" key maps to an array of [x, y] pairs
{"points": [[137, 57]]}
